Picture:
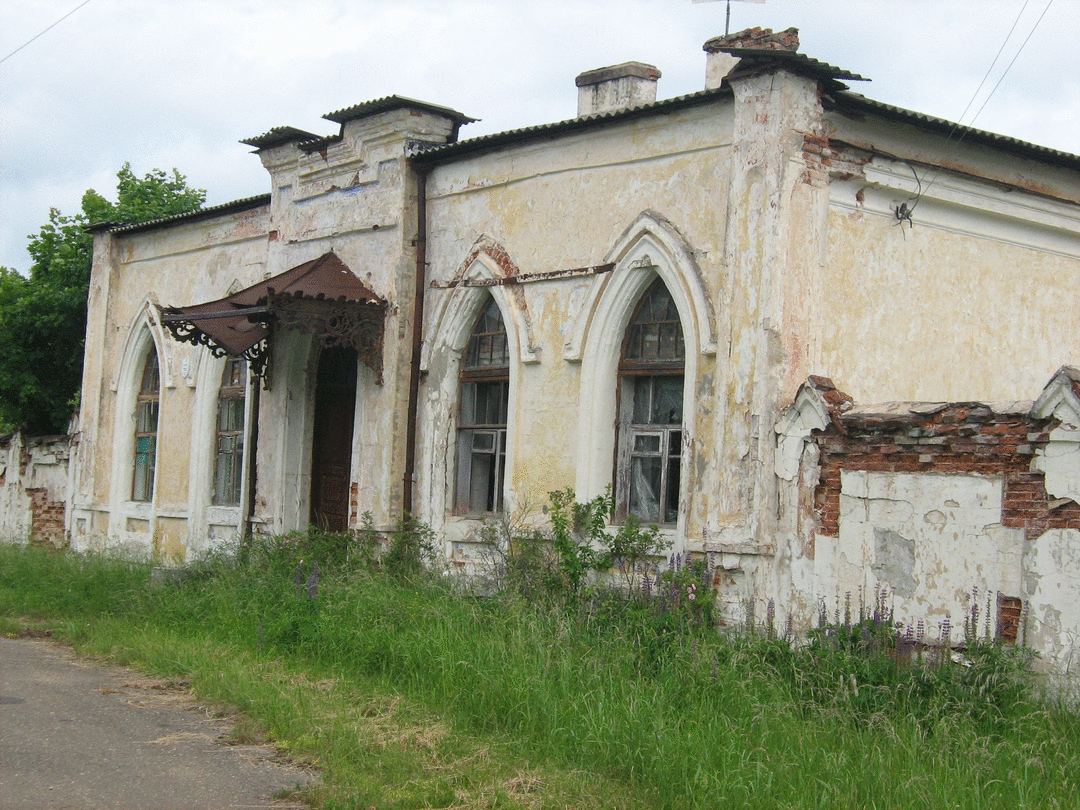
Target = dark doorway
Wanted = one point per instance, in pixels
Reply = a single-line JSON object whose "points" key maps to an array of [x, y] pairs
{"points": [[331, 443]]}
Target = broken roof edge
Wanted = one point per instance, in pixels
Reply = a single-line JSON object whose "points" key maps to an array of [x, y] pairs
{"points": [[231, 207], [794, 61], [852, 103], [919, 410]]}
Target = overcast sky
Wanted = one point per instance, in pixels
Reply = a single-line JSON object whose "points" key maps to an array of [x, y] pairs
{"points": [[177, 83]]}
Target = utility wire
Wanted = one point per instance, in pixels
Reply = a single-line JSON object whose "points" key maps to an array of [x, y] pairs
{"points": [[918, 196], [986, 76], [1025, 42], [45, 31]]}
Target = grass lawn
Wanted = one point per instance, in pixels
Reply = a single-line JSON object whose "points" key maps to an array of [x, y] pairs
{"points": [[408, 691]]}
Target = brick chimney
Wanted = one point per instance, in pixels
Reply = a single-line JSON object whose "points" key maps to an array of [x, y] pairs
{"points": [[719, 62], [618, 87]]}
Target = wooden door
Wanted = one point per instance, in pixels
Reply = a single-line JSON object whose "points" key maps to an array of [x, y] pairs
{"points": [[331, 450]]}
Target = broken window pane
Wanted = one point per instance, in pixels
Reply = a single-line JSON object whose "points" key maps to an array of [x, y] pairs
{"points": [[645, 489], [485, 392], [652, 397]]}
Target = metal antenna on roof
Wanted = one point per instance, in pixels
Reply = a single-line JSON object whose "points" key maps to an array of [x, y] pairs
{"points": [[727, 18]]}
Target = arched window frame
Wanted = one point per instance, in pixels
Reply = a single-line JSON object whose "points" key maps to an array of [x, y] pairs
{"points": [[648, 248], [147, 415], [453, 315], [650, 406], [483, 406]]}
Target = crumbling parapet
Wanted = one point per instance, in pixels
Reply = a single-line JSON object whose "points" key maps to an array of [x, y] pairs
{"points": [[34, 488]]}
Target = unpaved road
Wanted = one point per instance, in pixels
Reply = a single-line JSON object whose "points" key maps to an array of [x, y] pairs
{"points": [[79, 736]]}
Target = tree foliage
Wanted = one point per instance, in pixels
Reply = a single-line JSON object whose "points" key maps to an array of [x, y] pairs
{"points": [[43, 316]]}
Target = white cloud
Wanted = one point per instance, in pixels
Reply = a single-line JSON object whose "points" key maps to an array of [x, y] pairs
{"points": [[178, 84]]}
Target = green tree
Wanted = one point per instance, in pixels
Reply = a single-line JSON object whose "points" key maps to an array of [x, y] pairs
{"points": [[43, 316]]}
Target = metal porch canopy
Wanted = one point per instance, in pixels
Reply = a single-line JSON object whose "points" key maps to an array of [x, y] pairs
{"points": [[321, 298]]}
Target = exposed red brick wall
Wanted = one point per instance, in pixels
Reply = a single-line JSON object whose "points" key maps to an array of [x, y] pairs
{"points": [[761, 39], [962, 438], [47, 517], [825, 159]]}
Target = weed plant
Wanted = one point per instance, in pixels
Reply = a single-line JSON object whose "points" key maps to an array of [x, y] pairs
{"points": [[627, 685]]}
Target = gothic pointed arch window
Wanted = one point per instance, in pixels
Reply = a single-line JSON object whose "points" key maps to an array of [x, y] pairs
{"points": [[485, 394], [651, 370], [146, 428], [229, 435]]}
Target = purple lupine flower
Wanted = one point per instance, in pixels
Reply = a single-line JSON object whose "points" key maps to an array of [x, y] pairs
{"points": [[313, 582]]}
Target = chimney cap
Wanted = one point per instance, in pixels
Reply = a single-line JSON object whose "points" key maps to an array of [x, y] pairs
{"points": [[756, 39], [637, 70]]}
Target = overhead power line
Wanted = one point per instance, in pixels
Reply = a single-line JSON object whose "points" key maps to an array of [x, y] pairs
{"points": [[904, 211], [83, 3]]}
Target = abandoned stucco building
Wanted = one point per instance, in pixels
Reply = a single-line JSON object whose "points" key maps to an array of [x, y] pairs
{"points": [[821, 339]]}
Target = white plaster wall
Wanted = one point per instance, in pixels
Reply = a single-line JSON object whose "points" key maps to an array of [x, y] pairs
{"points": [[971, 300], [189, 263], [560, 205], [930, 539], [355, 196], [1051, 575], [46, 468]]}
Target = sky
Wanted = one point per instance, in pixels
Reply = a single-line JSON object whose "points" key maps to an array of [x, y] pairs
{"points": [[178, 83]]}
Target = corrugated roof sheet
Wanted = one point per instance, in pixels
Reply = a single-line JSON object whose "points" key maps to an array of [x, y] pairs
{"points": [[233, 206], [278, 136], [757, 58], [393, 103], [851, 102], [434, 152]]}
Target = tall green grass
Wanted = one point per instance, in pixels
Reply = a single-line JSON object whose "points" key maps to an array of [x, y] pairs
{"points": [[664, 713]]}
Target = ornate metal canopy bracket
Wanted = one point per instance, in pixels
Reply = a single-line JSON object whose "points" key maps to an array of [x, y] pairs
{"points": [[335, 323]]}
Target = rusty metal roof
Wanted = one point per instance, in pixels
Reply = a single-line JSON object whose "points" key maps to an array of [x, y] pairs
{"points": [[324, 278], [239, 321]]}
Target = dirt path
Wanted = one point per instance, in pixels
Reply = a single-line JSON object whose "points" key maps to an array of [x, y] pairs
{"points": [[80, 736]]}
